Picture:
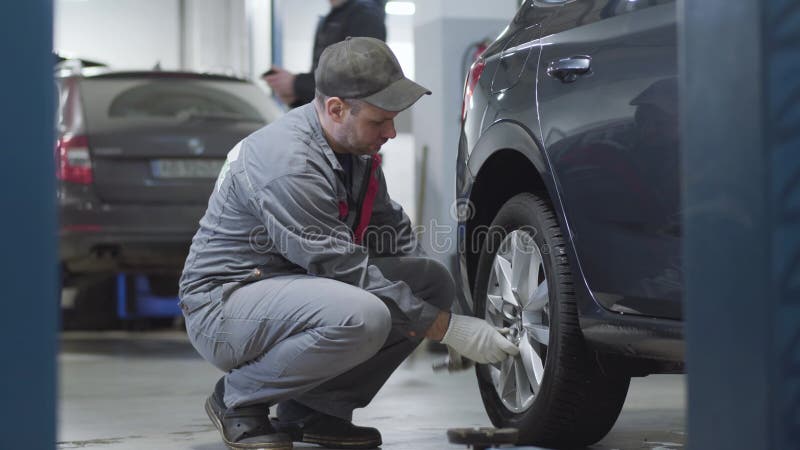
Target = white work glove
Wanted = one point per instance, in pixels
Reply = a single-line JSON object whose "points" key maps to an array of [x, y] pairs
{"points": [[477, 340]]}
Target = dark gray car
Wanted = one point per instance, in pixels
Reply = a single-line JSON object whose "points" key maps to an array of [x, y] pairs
{"points": [[136, 158], [570, 224]]}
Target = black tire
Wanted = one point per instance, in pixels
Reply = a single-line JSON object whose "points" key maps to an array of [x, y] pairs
{"points": [[576, 404]]}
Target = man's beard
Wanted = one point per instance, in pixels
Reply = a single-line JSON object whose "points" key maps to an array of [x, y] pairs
{"points": [[350, 142]]}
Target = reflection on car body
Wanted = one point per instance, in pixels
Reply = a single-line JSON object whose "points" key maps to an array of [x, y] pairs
{"points": [[570, 128]]}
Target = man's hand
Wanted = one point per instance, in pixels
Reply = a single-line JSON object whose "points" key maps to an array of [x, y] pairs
{"points": [[477, 340], [282, 84]]}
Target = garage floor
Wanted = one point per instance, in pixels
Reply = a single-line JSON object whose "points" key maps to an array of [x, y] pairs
{"points": [[146, 390]]}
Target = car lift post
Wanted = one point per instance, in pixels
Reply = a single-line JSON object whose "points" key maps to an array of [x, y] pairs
{"points": [[29, 274], [740, 112]]}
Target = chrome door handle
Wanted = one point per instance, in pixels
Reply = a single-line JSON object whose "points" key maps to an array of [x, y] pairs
{"points": [[569, 69]]}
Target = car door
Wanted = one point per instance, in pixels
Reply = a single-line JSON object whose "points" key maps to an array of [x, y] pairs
{"points": [[607, 99]]}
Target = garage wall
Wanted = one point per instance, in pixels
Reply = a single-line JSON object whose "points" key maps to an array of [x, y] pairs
{"points": [[122, 33], [299, 21], [215, 38], [221, 36], [259, 35]]}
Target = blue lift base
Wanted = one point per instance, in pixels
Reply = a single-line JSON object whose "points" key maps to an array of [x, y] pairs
{"points": [[138, 302]]}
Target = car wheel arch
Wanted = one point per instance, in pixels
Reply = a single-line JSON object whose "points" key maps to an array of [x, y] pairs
{"points": [[505, 150], [507, 135]]}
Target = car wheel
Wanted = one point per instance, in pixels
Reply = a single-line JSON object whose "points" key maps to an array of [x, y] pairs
{"points": [[553, 391]]}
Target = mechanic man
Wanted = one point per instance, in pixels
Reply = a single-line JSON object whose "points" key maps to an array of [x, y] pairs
{"points": [[346, 18], [287, 289]]}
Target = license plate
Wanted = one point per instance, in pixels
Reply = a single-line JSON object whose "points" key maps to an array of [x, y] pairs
{"points": [[186, 168]]}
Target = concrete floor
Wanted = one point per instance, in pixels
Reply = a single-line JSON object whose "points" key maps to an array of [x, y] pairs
{"points": [[146, 390]]}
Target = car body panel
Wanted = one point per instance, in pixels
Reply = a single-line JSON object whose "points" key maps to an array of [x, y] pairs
{"points": [[630, 302], [126, 170], [502, 135], [617, 165]]}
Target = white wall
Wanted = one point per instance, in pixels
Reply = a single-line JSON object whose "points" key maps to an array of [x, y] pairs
{"points": [[122, 33], [299, 20], [221, 36], [432, 10], [259, 35], [216, 37]]}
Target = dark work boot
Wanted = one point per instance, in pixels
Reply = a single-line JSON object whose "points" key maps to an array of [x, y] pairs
{"points": [[247, 427], [304, 424]]}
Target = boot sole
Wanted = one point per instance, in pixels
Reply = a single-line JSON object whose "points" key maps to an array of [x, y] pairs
{"points": [[241, 446]]}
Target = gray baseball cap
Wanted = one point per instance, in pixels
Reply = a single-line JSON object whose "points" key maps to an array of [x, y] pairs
{"points": [[365, 68]]}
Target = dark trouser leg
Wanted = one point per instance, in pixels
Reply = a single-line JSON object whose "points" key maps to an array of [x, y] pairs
{"points": [[430, 281]]}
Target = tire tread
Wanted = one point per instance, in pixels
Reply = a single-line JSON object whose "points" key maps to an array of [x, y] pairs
{"points": [[581, 403]]}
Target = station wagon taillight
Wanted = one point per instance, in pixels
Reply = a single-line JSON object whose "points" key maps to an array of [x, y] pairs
{"points": [[73, 163], [475, 71]]}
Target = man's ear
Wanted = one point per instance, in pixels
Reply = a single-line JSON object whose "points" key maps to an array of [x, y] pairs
{"points": [[335, 108]]}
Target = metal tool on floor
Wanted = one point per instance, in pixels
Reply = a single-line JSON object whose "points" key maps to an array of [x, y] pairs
{"points": [[477, 438], [483, 438]]}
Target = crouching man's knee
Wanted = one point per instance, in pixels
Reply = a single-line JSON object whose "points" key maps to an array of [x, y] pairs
{"points": [[371, 324]]}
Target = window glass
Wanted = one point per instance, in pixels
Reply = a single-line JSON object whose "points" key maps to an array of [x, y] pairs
{"points": [[179, 100], [111, 102]]}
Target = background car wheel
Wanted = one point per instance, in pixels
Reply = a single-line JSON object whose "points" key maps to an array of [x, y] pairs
{"points": [[553, 392]]}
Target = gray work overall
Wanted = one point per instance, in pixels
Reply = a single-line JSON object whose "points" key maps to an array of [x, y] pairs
{"points": [[299, 286]]}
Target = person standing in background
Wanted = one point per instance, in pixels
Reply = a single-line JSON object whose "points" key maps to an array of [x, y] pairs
{"points": [[356, 18]]}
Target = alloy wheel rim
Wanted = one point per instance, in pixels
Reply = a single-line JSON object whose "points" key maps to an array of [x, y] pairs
{"points": [[518, 299]]}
